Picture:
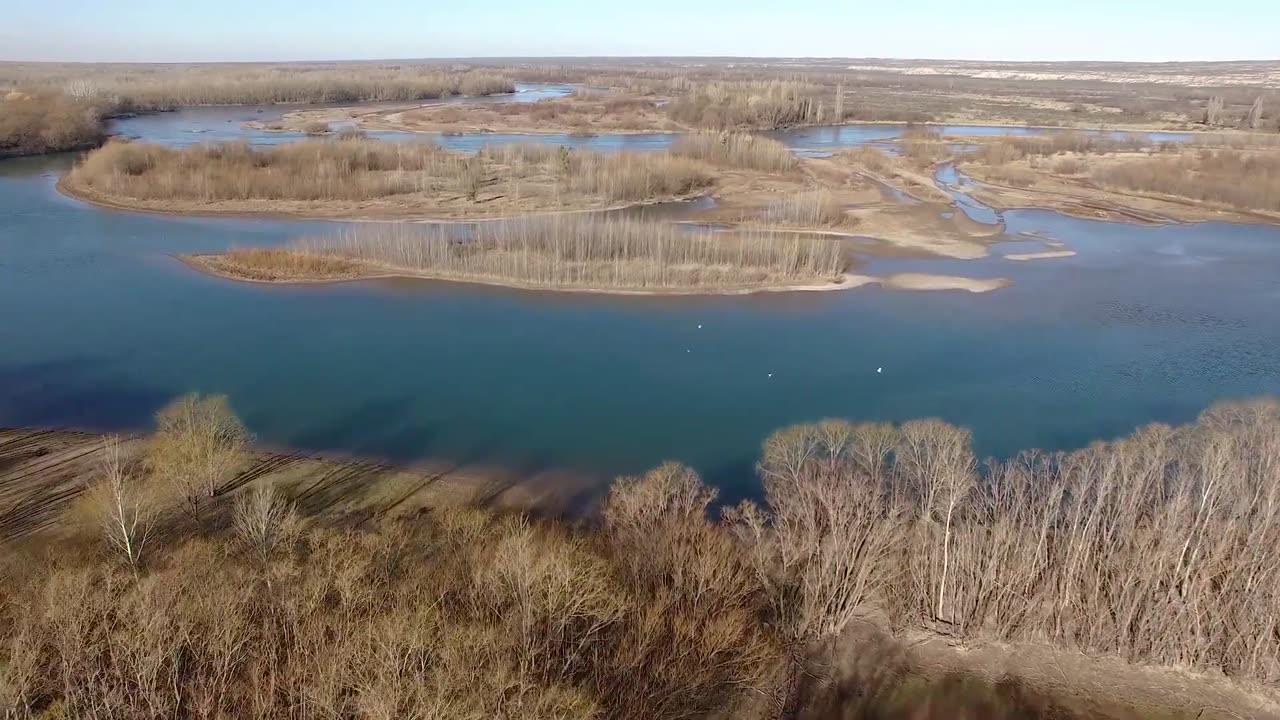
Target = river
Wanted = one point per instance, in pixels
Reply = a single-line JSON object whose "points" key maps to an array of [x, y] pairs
{"points": [[103, 326]]}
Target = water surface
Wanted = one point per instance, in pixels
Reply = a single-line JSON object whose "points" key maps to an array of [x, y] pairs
{"points": [[103, 326]]}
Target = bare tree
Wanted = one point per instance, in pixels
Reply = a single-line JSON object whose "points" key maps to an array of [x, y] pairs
{"points": [[199, 441], [936, 460], [124, 508], [1213, 110], [824, 548], [839, 104], [265, 522], [1253, 120]]}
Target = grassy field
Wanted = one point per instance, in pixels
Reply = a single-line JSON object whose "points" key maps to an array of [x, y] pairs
{"points": [[193, 581], [564, 252]]}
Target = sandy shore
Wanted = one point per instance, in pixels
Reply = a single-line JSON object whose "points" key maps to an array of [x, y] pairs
{"points": [[1046, 255], [208, 264], [926, 281]]}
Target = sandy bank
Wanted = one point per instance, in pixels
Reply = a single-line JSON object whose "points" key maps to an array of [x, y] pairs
{"points": [[925, 281], [217, 266], [1046, 255]]}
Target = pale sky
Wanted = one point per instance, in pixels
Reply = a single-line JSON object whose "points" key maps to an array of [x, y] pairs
{"points": [[245, 30]]}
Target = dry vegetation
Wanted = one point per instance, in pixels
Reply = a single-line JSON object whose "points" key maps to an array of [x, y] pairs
{"points": [[563, 252], [1240, 172], [583, 112], [813, 209], [1240, 180], [396, 179], [47, 122], [738, 150], [1160, 548], [752, 105], [148, 88]]}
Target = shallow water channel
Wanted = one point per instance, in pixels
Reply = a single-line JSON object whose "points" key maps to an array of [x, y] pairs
{"points": [[102, 326]]}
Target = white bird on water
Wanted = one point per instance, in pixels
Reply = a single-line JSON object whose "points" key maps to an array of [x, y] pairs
{"points": [[770, 374], [879, 369], [699, 327]]}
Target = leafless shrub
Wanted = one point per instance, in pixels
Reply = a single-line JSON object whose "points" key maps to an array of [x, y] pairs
{"points": [[265, 522], [198, 442]]}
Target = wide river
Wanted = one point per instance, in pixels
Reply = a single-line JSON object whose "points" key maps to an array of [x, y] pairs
{"points": [[102, 326]]}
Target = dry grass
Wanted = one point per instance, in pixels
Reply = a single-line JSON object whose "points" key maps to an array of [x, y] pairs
{"points": [[351, 168], [31, 124], [145, 88], [1237, 179], [738, 150], [1009, 149], [567, 251], [813, 209]]}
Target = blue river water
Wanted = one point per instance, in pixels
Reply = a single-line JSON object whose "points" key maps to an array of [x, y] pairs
{"points": [[102, 326]]}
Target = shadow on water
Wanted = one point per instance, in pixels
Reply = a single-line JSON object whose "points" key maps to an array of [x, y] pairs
{"points": [[75, 392]]}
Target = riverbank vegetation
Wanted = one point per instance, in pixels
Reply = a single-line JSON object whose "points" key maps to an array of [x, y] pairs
{"points": [[155, 87], [1239, 180], [1193, 180], [32, 124], [566, 252], [1155, 549], [351, 175], [739, 150]]}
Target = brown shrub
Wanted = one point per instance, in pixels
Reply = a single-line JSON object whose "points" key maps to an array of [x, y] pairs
{"points": [[31, 124], [1238, 179]]}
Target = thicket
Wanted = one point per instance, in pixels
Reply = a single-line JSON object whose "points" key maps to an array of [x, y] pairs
{"points": [[31, 124], [563, 251], [351, 167], [1161, 548]]}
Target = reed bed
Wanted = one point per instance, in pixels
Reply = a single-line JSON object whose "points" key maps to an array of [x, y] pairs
{"points": [[31, 124], [566, 251], [147, 88], [813, 209], [738, 150]]}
